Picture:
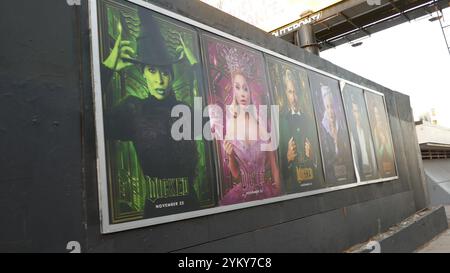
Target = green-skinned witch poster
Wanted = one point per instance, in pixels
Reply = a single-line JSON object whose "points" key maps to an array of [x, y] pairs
{"points": [[149, 63]]}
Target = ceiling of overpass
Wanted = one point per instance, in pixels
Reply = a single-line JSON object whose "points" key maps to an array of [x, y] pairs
{"points": [[335, 22], [269, 14], [340, 24]]}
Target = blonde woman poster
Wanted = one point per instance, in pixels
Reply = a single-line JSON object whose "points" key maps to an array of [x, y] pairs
{"points": [[238, 87]]}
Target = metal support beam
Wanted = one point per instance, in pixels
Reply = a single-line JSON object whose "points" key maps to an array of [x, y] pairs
{"points": [[326, 13], [329, 44], [324, 19], [306, 39], [441, 19], [344, 36], [399, 10], [353, 24]]}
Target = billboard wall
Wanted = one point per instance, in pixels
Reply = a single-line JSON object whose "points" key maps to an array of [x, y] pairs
{"points": [[183, 112]]}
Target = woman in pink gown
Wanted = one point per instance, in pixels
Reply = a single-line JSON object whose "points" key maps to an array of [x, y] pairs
{"points": [[246, 160]]}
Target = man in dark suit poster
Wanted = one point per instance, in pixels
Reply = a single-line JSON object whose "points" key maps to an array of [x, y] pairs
{"points": [[360, 134], [299, 145]]}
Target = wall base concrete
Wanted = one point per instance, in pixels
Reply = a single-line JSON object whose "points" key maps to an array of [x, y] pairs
{"points": [[330, 231], [410, 234], [441, 243]]}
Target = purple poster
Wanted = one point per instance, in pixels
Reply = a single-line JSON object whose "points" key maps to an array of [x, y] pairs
{"points": [[238, 105]]}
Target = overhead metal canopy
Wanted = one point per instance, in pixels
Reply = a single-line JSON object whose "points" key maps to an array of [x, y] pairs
{"points": [[351, 20], [434, 146], [270, 14]]}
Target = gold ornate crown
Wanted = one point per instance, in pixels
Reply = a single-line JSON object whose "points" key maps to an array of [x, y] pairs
{"points": [[236, 60]]}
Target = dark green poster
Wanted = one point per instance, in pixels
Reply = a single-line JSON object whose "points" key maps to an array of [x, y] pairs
{"points": [[150, 64], [360, 132], [379, 122], [299, 152]]}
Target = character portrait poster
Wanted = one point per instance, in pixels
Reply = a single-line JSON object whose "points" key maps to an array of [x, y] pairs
{"points": [[360, 132], [381, 134], [333, 132], [238, 87], [149, 64], [299, 152]]}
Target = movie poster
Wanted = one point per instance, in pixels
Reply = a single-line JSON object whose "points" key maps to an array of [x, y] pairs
{"points": [[150, 64], [381, 134], [299, 150], [360, 133], [333, 132], [240, 122]]}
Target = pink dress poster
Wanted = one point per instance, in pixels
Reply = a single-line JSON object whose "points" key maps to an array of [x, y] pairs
{"points": [[239, 109]]}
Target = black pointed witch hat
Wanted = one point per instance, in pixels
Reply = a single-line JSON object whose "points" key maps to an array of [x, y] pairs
{"points": [[151, 47]]}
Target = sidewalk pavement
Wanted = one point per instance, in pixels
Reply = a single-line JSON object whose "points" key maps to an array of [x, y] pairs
{"points": [[441, 243]]}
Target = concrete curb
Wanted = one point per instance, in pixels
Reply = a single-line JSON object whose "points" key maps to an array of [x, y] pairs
{"points": [[409, 235]]}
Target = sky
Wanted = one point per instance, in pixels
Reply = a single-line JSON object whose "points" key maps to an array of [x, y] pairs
{"points": [[411, 58]]}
